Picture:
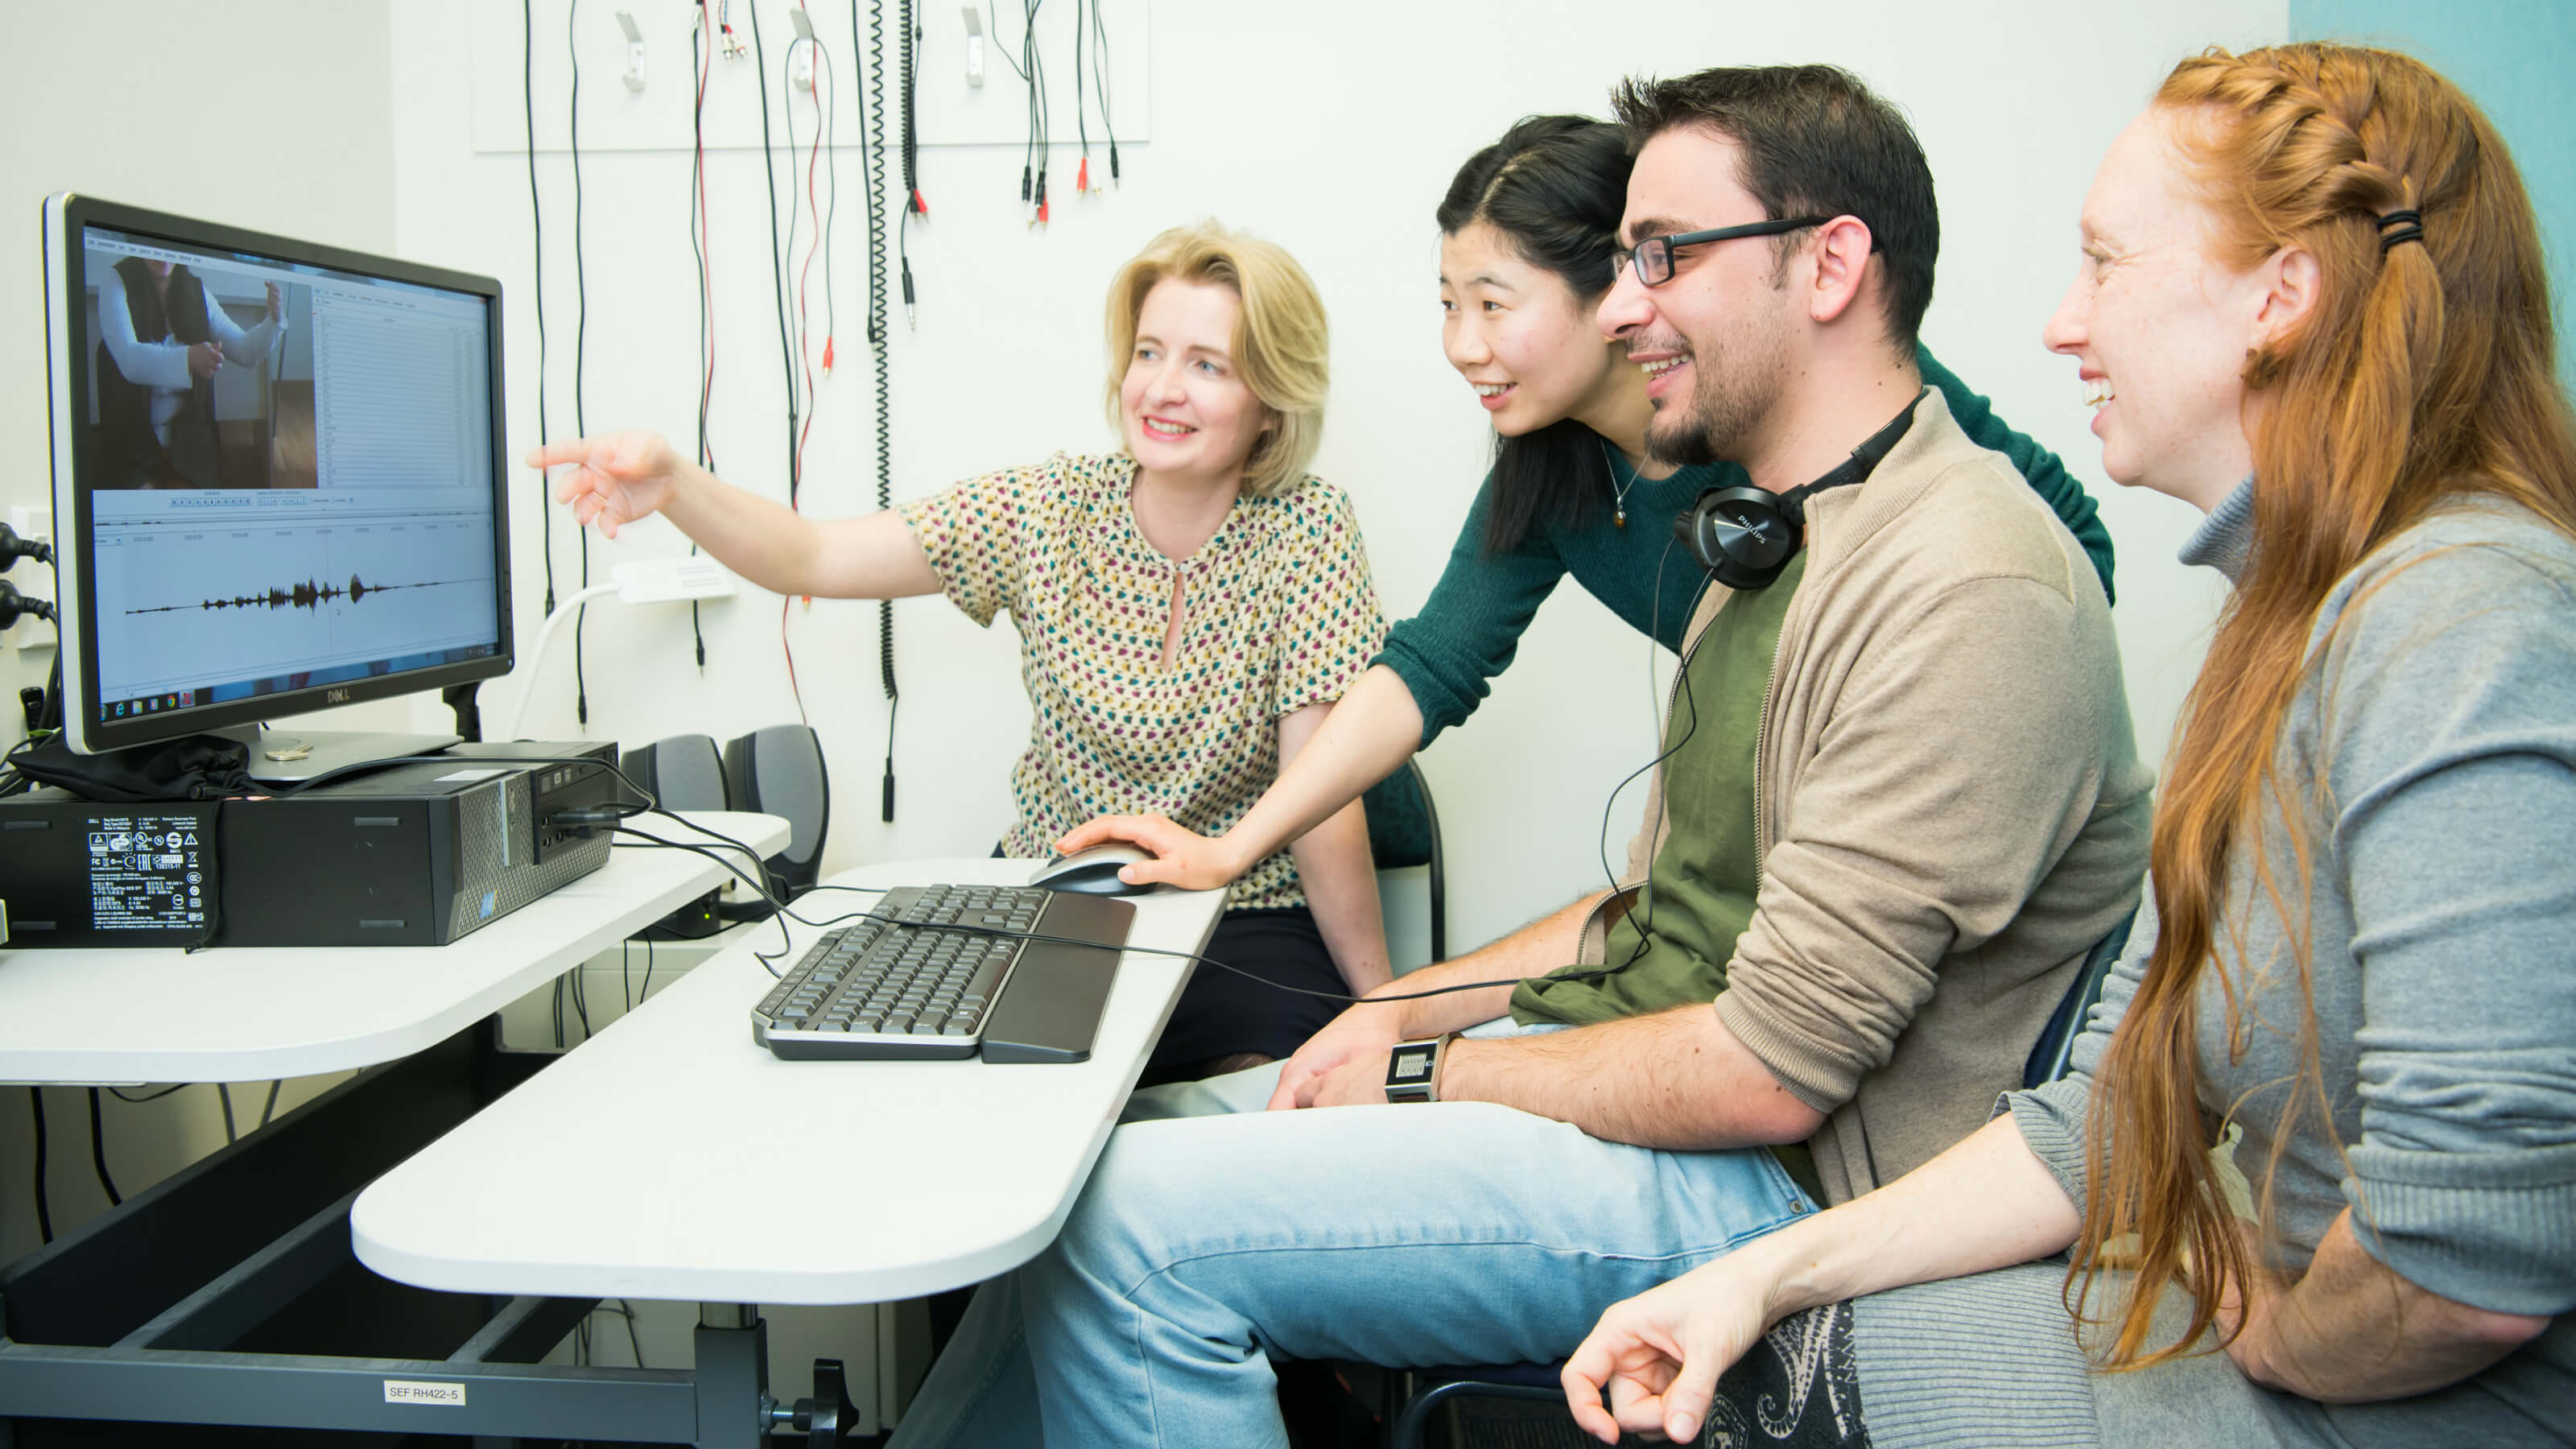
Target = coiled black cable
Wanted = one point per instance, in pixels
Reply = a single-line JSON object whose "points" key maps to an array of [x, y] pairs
{"points": [[872, 143], [911, 158]]}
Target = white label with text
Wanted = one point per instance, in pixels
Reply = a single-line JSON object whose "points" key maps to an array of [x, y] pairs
{"points": [[416, 1391]]}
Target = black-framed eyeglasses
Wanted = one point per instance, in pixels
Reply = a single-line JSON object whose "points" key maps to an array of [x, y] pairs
{"points": [[1653, 257]]}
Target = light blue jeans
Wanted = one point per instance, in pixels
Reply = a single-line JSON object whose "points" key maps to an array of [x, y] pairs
{"points": [[1213, 1234]]}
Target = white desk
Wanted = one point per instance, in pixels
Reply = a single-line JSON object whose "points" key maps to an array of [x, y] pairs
{"points": [[672, 1157], [248, 1013]]}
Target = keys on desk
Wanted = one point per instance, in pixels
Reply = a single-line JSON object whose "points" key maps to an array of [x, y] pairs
{"points": [[934, 981]]}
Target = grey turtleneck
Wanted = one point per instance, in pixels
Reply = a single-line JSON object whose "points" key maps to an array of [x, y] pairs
{"points": [[2431, 756], [2226, 536]]}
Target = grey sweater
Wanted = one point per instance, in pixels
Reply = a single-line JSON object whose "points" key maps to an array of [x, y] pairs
{"points": [[2439, 727], [2440, 722]]}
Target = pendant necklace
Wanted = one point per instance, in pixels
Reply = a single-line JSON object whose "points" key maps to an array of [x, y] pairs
{"points": [[1618, 490]]}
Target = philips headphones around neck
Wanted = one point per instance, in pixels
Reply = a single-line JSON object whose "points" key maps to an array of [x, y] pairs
{"points": [[1744, 536]]}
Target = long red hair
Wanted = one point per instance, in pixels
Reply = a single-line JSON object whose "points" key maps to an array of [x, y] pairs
{"points": [[2422, 372]]}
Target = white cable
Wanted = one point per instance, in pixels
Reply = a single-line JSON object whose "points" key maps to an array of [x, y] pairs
{"points": [[537, 655]]}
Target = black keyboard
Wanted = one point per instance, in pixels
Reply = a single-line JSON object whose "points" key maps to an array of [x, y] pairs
{"points": [[925, 984]]}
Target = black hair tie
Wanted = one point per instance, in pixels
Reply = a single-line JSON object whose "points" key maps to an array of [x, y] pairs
{"points": [[2399, 227]]}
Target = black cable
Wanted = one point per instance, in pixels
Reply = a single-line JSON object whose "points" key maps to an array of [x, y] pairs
{"points": [[911, 143], [98, 1151], [1100, 82], [777, 259], [1681, 680], [119, 1094], [580, 339], [831, 102], [647, 992], [872, 147], [580, 1002], [224, 1092], [14, 548], [799, 390], [44, 1209], [537, 267], [783, 915], [702, 50]]}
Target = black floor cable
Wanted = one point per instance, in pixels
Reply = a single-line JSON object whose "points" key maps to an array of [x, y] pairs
{"points": [[98, 1151], [44, 1209]]}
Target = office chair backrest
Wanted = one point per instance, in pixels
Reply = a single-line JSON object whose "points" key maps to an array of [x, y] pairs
{"points": [[779, 771], [1404, 830], [684, 772], [2055, 1050]]}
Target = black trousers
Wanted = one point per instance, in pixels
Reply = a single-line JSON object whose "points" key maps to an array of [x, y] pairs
{"points": [[1223, 1012]]}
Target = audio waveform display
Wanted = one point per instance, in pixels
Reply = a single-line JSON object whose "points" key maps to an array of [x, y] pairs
{"points": [[307, 595]]}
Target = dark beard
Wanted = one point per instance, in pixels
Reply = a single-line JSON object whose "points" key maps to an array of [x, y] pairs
{"points": [[1721, 410]]}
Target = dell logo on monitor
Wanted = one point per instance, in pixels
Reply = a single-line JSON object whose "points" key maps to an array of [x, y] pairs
{"points": [[336, 696]]}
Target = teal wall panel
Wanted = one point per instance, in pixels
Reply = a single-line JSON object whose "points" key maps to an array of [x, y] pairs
{"points": [[2513, 58]]}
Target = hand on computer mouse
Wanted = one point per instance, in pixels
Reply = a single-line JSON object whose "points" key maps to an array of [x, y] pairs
{"points": [[1178, 856]]}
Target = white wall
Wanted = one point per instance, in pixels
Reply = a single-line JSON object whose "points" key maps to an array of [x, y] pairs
{"points": [[1332, 132], [269, 114], [1332, 129]]}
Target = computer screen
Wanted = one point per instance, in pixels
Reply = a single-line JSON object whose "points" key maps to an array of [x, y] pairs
{"points": [[277, 474]]}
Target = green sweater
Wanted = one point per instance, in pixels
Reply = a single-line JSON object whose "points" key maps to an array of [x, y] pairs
{"points": [[1471, 626]]}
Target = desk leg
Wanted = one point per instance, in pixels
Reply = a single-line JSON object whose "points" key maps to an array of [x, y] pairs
{"points": [[732, 1377]]}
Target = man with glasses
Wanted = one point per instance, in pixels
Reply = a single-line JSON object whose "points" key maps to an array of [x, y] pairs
{"points": [[1897, 804]]}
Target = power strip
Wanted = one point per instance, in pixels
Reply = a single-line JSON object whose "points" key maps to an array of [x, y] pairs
{"points": [[671, 580]]}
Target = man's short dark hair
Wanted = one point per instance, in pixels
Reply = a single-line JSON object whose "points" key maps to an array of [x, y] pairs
{"points": [[1816, 142]]}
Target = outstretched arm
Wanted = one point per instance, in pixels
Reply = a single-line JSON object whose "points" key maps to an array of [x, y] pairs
{"points": [[616, 478]]}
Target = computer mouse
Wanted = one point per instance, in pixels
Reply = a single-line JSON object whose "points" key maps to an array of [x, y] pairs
{"points": [[1092, 872]]}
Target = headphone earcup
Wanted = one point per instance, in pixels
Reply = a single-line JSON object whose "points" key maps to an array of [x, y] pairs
{"points": [[1741, 535]]}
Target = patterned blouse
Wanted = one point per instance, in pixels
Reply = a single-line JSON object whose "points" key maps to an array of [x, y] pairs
{"points": [[1278, 614]]}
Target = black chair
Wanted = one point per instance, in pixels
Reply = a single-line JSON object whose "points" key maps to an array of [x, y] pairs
{"points": [[1541, 1381], [1404, 831]]}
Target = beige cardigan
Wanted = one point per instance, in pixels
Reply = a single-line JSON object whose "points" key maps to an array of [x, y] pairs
{"points": [[1950, 804]]}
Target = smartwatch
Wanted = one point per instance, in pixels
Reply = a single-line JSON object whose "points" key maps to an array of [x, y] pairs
{"points": [[1412, 1068]]}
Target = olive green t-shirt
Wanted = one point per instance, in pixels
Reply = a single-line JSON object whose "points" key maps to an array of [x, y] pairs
{"points": [[1672, 947]]}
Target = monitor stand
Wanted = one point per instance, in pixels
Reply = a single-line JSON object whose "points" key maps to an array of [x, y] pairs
{"points": [[288, 756]]}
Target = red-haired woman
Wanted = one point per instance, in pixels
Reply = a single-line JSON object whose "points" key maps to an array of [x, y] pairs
{"points": [[2313, 304]]}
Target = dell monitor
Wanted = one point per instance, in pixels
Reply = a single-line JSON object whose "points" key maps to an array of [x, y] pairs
{"points": [[277, 483]]}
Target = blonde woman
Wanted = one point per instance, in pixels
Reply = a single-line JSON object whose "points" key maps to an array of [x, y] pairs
{"points": [[2313, 305], [1189, 607]]}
